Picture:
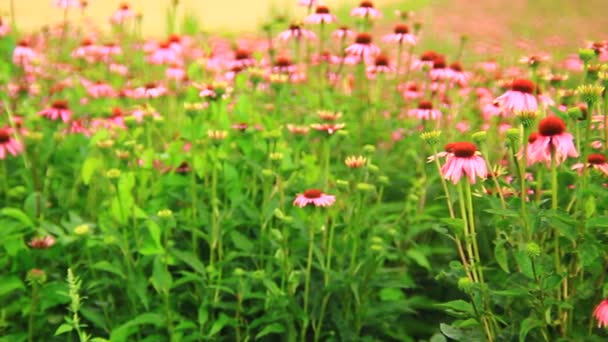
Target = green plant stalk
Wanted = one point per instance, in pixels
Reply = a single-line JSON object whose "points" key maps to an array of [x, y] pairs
{"points": [[33, 308], [523, 189], [472, 230], [194, 200], [216, 238], [585, 180], [311, 244], [501, 196], [467, 233]]}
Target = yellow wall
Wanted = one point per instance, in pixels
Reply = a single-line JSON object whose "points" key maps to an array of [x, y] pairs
{"points": [[234, 15]]}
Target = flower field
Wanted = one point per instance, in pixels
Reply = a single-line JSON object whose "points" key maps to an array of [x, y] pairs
{"points": [[332, 177]]}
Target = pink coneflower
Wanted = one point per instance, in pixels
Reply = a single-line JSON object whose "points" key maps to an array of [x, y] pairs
{"points": [[77, 127], [355, 162], [242, 59], [425, 111], [457, 75], [67, 3], [439, 71], [366, 10], [108, 50], [315, 197], [520, 98], [42, 242], [401, 35], [297, 130], [330, 128], [23, 53], [463, 159], [363, 46], [321, 16], [343, 32], [381, 65], [283, 65], [87, 50], [177, 42], [551, 139], [8, 143], [601, 314], [426, 60], [59, 109], [534, 60], [596, 161], [4, 28], [176, 72], [123, 14], [99, 89], [296, 31], [411, 91], [116, 120], [164, 54], [150, 90]]}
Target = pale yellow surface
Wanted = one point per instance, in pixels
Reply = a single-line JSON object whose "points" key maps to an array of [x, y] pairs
{"points": [[233, 15]]}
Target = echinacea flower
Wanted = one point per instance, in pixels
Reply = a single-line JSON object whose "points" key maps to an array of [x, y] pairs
{"points": [[401, 34], [457, 75], [4, 28], [363, 46], [296, 31], [99, 89], [164, 54], [343, 32], [23, 53], [321, 16], [283, 65], [58, 110], [440, 71], [315, 197], [150, 90], [366, 10], [355, 162], [601, 313], [42, 242], [425, 111], [122, 14], [242, 59], [8, 143], [297, 130], [596, 161], [64, 4], [381, 65], [330, 128], [520, 97], [463, 159], [552, 140]]}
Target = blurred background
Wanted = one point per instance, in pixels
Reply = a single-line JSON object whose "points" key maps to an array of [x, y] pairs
{"points": [[491, 24]]}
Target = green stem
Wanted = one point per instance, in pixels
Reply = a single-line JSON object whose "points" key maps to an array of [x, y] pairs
{"points": [[522, 179], [311, 244], [467, 233], [472, 230], [33, 308]]}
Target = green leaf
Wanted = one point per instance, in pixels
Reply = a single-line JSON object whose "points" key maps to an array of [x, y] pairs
{"points": [[419, 258], [108, 267], [90, 165], [524, 262], [123, 332], [18, 215], [451, 332], [456, 225], [389, 294], [526, 326], [503, 212], [161, 278], [597, 222], [500, 254], [274, 328], [9, 284], [191, 260], [64, 328], [219, 324], [458, 305], [241, 241]]}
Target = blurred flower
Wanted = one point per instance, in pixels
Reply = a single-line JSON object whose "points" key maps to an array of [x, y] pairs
{"points": [[59, 109], [401, 34], [123, 14], [315, 197], [321, 16], [8, 143], [520, 97], [363, 46], [295, 31], [425, 111], [366, 10], [4, 28], [596, 161], [42, 242], [601, 314]]}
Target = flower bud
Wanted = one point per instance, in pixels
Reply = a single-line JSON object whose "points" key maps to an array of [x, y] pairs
{"points": [[533, 249], [479, 137], [164, 213], [113, 173], [36, 276], [82, 229], [586, 55], [431, 137], [366, 187]]}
